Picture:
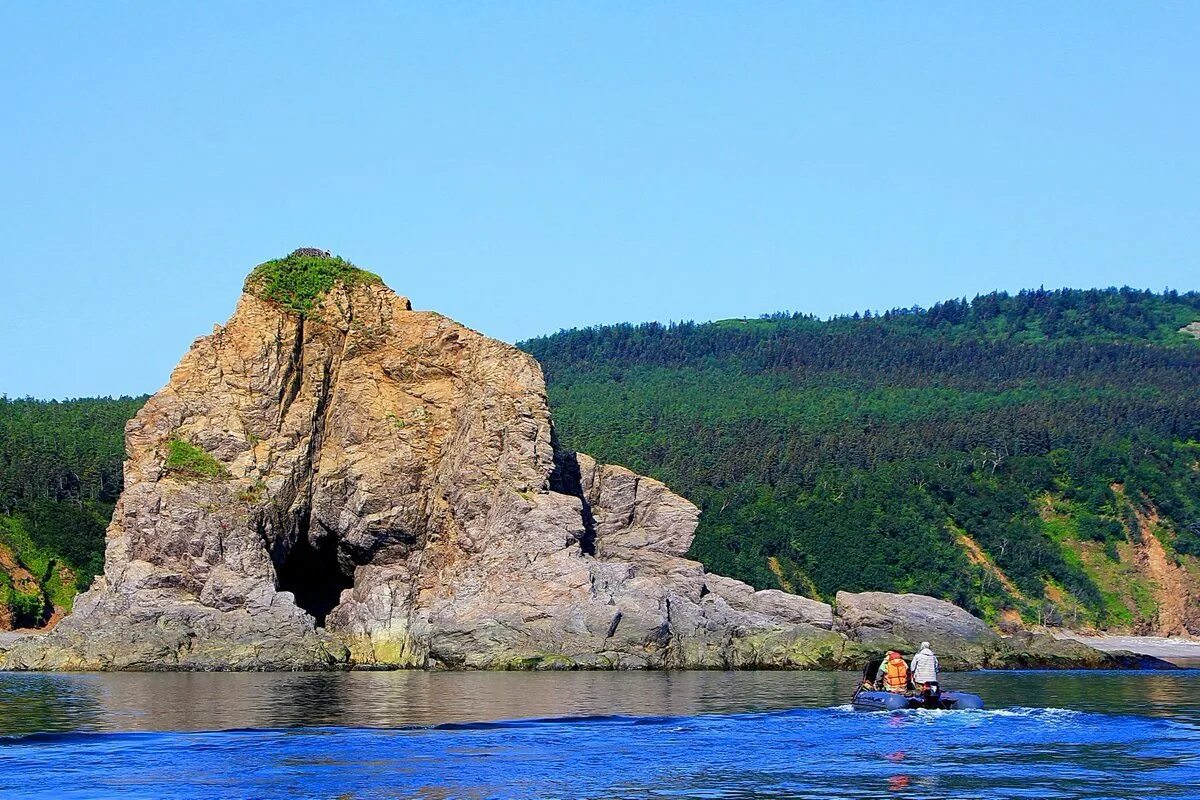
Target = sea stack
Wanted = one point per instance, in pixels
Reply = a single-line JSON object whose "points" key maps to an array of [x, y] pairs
{"points": [[332, 479]]}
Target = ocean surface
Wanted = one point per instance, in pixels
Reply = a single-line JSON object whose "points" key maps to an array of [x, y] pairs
{"points": [[592, 735]]}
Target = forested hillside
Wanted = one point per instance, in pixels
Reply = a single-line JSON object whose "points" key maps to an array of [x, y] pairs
{"points": [[1034, 455], [60, 473]]}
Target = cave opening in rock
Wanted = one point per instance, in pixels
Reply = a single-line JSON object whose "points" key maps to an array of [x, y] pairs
{"points": [[312, 573]]}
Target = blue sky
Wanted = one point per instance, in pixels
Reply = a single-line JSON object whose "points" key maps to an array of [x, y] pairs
{"points": [[525, 167]]}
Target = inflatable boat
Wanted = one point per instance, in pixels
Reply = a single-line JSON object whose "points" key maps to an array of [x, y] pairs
{"points": [[871, 700], [930, 695]]}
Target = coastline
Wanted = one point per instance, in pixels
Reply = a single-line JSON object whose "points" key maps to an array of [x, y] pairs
{"points": [[1076, 652], [1174, 649]]}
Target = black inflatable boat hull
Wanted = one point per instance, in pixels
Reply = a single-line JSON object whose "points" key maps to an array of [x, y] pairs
{"points": [[893, 701]]}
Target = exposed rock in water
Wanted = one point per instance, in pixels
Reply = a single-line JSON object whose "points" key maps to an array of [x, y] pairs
{"points": [[332, 479], [903, 621]]}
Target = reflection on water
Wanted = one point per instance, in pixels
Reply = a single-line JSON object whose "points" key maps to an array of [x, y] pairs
{"points": [[36, 702], [222, 701], [720, 736]]}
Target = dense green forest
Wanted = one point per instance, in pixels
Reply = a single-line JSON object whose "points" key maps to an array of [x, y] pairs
{"points": [[1007, 452], [60, 474]]}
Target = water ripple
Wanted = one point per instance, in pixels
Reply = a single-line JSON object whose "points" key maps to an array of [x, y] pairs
{"points": [[616, 736]]}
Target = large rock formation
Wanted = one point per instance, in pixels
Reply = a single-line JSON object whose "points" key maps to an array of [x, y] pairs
{"points": [[333, 478]]}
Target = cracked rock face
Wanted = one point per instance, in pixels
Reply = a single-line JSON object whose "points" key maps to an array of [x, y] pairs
{"points": [[386, 491]]}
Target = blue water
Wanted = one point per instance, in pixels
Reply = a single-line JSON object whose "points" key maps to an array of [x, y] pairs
{"points": [[577, 735]]}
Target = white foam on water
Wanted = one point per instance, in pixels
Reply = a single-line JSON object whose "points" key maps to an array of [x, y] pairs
{"points": [[931, 716], [1023, 711]]}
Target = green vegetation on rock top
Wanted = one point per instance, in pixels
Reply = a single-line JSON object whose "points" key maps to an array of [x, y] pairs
{"points": [[187, 460], [301, 279]]}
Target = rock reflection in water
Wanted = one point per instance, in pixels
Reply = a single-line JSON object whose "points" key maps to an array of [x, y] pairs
{"points": [[222, 701], [36, 703], [33, 702]]}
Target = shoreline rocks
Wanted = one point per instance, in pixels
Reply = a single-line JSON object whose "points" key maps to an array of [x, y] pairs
{"points": [[864, 625], [885, 621]]}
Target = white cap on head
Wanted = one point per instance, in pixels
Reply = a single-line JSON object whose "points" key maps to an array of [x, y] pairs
{"points": [[924, 645]]}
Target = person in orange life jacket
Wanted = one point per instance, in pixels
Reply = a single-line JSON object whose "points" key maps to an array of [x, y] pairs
{"points": [[893, 673]]}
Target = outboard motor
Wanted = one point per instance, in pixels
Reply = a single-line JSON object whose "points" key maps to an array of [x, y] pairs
{"points": [[931, 695], [867, 684], [870, 670]]}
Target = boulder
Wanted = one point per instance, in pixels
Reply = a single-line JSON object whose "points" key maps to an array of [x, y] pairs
{"points": [[902, 621], [1027, 650]]}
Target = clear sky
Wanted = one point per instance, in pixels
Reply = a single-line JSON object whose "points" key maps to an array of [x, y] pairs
{"points": [[528, 166]]}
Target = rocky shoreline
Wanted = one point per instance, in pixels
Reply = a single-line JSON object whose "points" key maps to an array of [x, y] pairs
{"points": [[862, 626]]}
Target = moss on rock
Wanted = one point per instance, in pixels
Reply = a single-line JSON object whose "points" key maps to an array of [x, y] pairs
{"points": [[803, 647], [189, 461], [535, 661], [300, 280]]}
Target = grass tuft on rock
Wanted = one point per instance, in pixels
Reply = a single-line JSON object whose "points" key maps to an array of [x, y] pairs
{"points": [[254, 492], [187, 460], [299, 281]]}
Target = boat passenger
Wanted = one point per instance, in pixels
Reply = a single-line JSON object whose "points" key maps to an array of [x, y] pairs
{"points": [[924, 667], [893, 673]]}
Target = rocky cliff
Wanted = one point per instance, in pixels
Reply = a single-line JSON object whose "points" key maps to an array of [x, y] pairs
{"points": [[333, 479]]}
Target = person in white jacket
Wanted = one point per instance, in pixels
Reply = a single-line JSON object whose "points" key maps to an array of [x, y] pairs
{"points": [[924, 666]]}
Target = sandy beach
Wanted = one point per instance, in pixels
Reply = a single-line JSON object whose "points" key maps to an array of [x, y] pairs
{"points": [[1170, 649]]}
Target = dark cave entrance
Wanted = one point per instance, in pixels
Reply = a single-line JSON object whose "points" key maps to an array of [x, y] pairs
{"points": [[311, 571]]}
